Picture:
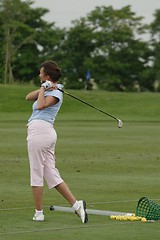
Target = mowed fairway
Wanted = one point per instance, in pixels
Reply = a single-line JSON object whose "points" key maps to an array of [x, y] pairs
{"points": [[110, 168]]}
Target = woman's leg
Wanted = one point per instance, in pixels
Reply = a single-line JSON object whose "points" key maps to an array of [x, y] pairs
{"points": [[37, 195], [64, 190], [79, 206]]}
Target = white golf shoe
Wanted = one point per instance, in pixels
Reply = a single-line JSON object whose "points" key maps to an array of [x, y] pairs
{"points": [[39, 217], [81, 211]]}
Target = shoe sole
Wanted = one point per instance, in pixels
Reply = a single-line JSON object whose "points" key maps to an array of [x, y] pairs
{"points": [[86, 215], [37, 220]]}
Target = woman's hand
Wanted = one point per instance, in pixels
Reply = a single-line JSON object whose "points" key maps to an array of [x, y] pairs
{"points": [[49, 86]]}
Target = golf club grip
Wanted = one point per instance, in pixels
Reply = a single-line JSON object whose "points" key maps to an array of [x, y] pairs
{"points": [[80, 100]]}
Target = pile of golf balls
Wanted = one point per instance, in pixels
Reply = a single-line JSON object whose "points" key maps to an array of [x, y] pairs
{"points": [[128, 218]]}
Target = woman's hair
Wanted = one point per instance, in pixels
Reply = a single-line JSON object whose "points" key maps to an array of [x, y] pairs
{"points": [[52, 70]]}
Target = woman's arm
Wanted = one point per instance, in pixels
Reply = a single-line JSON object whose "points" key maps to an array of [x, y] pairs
{"points": [[32, 96], [44, 102]]}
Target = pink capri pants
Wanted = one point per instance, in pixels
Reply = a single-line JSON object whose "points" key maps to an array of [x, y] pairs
{"points": [[41, 141]]}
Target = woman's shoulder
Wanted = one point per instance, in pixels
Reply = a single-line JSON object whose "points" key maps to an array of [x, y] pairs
{"points": [[60, 86]]}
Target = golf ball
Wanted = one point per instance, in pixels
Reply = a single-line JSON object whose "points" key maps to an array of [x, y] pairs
{"points": [[143, 219]]}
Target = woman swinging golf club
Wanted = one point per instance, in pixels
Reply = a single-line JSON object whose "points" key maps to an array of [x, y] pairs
{"points": [[42, 139]]}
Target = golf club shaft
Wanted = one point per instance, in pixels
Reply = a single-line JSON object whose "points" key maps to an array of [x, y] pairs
{"points": [[88, 104]]}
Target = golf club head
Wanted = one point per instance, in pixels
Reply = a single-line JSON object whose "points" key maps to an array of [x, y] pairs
{"points": [[120, 123]]}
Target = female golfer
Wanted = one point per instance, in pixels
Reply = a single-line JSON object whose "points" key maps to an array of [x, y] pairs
{"points": [[42, 139]]}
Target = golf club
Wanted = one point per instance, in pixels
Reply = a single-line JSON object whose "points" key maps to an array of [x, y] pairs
{"points": [[120, 123]]}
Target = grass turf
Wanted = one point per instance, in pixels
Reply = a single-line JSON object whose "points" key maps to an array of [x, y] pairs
{"points": [[110, 168]]}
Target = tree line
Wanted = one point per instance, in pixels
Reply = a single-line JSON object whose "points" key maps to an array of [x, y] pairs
{"points": [[108, 44]]}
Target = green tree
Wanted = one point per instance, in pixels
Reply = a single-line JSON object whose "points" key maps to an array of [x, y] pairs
{"points": [[119, 53], [75, 50], [45, 45], [107, 43], [27, 39], [155, 36], [15, 32]]}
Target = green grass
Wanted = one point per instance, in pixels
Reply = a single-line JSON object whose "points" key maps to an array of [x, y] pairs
{"points": [[110, 168]]}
